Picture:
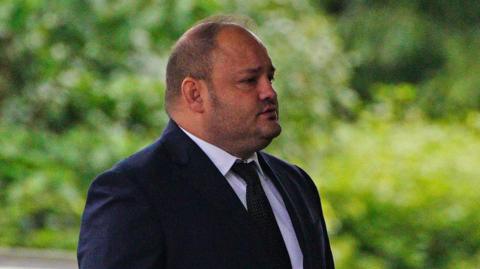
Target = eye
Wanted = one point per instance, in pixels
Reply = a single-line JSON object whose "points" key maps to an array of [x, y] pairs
{"points": [[250, 80], [271, 78]]}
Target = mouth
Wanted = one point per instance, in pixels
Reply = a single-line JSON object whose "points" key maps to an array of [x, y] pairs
{"points": [[270, 112]]}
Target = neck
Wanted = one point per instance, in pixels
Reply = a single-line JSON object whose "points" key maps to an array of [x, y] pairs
{"points": [[238, 148]]}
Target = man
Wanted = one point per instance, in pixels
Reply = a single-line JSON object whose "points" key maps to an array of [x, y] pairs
{"points": [[204, 195]]}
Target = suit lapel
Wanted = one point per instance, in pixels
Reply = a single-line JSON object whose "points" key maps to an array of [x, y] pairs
{"points": [[195, 168], [295, 207]]}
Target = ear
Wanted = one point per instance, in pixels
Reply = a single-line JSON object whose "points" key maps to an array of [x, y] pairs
{"points": [[192, 93]]}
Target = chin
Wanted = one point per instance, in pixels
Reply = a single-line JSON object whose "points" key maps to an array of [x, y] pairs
{"points": [[272, 132], [264, 137]]}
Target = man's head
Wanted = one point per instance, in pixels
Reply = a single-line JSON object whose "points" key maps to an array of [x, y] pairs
{"points": [[219, 87]]}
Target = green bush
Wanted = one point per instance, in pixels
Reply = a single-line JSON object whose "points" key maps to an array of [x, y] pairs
{"points": [[395, 42], [44, 178], [402, 195]]}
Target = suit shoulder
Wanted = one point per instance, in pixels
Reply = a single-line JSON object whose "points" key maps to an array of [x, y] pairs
{"points": [[293, 172], [141, 158], [149, 163], [284, 165], [275, 160]]}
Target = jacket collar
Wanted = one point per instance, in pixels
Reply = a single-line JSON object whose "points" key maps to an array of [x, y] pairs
{"points": [[195, 167]]}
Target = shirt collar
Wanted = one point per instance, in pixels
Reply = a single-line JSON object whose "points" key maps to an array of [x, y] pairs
{"points": [[220, 158]]}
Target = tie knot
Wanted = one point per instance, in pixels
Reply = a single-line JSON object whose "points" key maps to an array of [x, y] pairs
{"points": [[247, 171]]}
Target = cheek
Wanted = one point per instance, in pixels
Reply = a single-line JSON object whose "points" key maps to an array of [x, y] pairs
{"points": [[240, 108], [245, 110], [235, 116]]}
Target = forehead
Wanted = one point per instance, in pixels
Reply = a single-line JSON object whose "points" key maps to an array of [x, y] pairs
{"points": [[239, 48]]}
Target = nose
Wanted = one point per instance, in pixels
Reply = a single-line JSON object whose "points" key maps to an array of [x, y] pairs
{"points": [[266, 91]]}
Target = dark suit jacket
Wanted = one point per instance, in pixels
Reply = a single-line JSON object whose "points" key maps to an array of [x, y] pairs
{"points": [[168, 206]]}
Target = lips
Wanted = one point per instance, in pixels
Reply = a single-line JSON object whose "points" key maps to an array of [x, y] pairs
{"points": [[270, 112]]}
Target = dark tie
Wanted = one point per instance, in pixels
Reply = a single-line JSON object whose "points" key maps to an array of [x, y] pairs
{"points": [[261, 213]]}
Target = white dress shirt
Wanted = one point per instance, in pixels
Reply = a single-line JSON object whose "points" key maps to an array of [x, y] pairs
{"points": [[224, 162]]}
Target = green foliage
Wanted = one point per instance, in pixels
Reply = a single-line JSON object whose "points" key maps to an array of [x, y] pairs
{"points": [[402, 195], [44, 177], [379, 101], [433, 44]]}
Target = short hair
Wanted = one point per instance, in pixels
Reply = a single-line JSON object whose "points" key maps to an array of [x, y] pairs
{"points": [[192, 54]]}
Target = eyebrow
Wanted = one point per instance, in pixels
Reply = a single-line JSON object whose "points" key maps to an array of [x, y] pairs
{"points": [[257, 69]]}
